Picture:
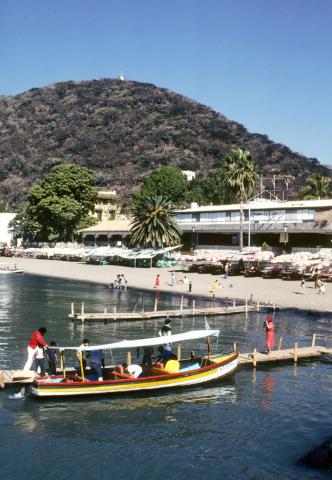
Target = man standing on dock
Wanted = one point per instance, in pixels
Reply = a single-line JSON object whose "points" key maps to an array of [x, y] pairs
{"points": [[35, 341]]}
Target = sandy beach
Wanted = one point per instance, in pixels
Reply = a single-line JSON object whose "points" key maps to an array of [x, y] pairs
{"points": [[286, 294]]}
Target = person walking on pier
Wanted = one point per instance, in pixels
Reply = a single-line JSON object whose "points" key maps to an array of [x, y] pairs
{"points": [[269, 334], [35, 341]]}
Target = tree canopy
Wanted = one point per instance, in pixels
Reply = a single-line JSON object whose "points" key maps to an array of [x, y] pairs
{"points": [[317, 186], [240, 174], [168, 182], [153, 224], [60, 204]]}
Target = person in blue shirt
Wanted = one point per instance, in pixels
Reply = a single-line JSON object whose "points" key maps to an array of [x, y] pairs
{"points": [[96, 362]]}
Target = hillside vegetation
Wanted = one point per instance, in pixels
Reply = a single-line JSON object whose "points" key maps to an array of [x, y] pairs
{"points": [[123, 130]]}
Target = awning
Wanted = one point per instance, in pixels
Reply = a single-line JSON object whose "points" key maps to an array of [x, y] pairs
{"points": [[145, 342]]}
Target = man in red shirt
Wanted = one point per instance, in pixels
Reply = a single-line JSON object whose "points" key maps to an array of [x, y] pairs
{"points": [[35, 341]]}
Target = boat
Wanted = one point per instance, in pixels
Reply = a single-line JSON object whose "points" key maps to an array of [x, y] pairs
{"points": [[6, 268], [193, 371]]}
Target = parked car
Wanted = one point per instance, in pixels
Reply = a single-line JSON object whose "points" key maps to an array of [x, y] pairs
{"points": [[272, 271]]}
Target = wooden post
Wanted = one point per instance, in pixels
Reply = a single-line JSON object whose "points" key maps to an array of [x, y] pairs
{"points": [[72, 309], [142, 303], [82, 312], [181, 304], [194, 312], [313, 343], [128, 358], [258, 307], [295, 351], [156, 304], [226, 302], [246, 306], [105, 310], [254, 357], [280, 343], [179, 352], [234, 346], [81, 365], [62, 364], [114, 312], [2, 379], [234, 302]]}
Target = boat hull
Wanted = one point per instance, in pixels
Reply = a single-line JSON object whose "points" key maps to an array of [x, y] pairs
{"points": [[226, 365]]}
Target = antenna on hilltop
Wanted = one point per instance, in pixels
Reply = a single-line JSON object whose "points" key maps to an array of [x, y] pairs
{"points": [[122, 77]]}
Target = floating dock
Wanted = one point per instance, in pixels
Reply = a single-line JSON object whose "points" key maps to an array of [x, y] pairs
{"points": [[114, 316]]}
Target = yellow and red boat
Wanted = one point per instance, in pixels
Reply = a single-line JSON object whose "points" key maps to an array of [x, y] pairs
{"points": [[197, 370]]}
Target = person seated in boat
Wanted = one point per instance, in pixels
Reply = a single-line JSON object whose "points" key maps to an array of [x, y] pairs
{"points": [[134, 370], [97, 362], [172, 365]]}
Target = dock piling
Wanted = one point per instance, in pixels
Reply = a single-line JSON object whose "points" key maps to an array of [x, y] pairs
{"points": [[181, 303], [246, 306], [254, 358], [156, 304], [82, 312], [234, 302], [313, 343], [295, 351], [258, 306], [194, 308], [234, 346], [280, 343], [179, 352], [128, 358], [72, 309], [114, 312]]}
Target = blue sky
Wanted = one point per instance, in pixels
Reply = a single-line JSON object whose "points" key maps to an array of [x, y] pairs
{"points": [[264, 63]]}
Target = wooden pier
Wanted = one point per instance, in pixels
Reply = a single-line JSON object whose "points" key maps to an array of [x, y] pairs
{"points": [[294, 354], [114, 316]]}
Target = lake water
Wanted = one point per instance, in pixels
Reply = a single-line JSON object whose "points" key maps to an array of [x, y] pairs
{"points": [[254, 425]]}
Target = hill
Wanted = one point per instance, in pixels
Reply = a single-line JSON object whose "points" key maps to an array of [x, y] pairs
{"points": [[123, 130]]}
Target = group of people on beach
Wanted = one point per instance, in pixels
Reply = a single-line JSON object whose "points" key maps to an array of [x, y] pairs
{"points": [[174, 281], [120, 282]]}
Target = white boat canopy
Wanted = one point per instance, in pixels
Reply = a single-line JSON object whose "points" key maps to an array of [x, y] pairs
{"points": [[146, 342]]}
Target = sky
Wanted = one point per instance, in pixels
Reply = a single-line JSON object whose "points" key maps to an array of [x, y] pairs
{"points": [[264, 63]]}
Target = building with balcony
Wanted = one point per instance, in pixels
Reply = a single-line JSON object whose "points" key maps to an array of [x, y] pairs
{"points": [[284, 224], [107, 206]]}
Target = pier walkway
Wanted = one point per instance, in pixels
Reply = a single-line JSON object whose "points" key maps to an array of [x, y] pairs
{"points": [[229, 308], [20, 377]]}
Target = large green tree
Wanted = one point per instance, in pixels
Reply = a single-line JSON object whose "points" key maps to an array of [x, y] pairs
{"points": [[153, 224], [61, 203], [240, 175], [317, 186], [168, 182]]}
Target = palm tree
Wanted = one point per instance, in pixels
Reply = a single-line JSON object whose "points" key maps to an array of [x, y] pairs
{"points": [[317, 186], [153, 224], [240, 175]]}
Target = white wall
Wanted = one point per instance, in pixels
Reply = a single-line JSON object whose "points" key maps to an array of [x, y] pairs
{"points": [[6, 234]]}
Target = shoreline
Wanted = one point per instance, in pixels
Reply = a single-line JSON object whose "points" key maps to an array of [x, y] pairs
{"points": [[284, 294]]}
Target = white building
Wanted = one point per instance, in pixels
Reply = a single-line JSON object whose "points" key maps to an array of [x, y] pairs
{"points": [[278, 223], [6, 233]]}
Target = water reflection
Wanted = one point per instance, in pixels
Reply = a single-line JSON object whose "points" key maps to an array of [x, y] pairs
{"points": [[268, 384]]}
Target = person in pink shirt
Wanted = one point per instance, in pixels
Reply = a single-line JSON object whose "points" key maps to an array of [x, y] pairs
{"points": [[269, 334], [37, 339]]}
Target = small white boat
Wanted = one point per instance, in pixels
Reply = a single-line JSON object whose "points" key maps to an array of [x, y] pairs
{"points": [[7, 268]]}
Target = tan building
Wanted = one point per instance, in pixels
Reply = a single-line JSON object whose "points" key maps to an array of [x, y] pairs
{"points": [[107, 206], [112, 232]]}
